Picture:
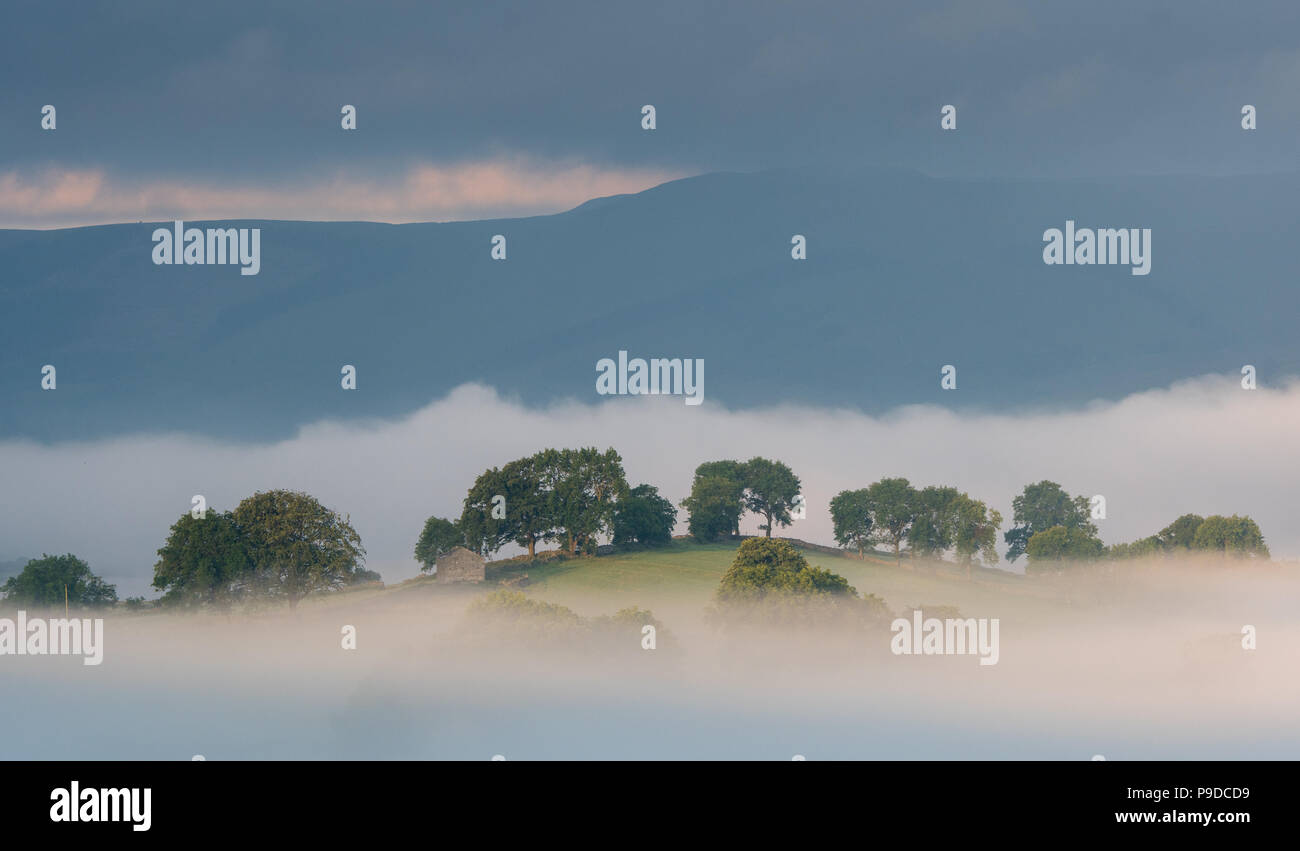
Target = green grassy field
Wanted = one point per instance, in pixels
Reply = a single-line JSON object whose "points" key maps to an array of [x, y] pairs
{"points": [[679, 580]]}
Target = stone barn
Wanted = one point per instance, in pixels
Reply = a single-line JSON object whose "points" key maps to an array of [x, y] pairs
{"points": [[460, 565]]}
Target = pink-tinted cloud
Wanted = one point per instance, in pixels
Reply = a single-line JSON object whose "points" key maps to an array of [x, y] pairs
{"points": [[488, 189]]}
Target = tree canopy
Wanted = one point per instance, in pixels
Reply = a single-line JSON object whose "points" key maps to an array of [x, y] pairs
{"points": [[588, 485], [976, 532], [893, 504], [770, 490], [205, 561], [45, 580], [716, 501], [1062, 544], [644, 517], [567, 495], [934, 524], [1234, 536], [1040, 507], [297, 546], [439, 536], [1181, 533], [851, 519]]}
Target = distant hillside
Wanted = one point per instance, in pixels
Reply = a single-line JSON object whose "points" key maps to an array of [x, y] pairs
{"points": [[904, 274]]}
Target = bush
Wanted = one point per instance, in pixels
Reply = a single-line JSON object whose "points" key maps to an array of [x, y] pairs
{"points": [[625, 628], [514, 617], [771, 583], [513, 608], [766, 566]]}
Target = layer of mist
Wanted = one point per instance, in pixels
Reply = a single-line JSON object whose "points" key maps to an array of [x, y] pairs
{"points": [[1142, 662]]}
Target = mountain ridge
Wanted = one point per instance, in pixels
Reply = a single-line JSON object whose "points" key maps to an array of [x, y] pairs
{"points": [[905, 274]]}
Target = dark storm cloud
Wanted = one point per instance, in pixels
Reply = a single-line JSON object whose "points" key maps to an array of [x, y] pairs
{"points": [[254, 89]]}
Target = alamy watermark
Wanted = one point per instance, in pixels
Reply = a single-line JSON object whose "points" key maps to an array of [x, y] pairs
{"points": [[102, 805], [53, 637], [657, 376], [213, 246], [947, 637], [1104, 246]]}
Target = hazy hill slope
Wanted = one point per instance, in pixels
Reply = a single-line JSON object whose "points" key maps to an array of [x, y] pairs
{"points": [[905, 274], [678, 581]]}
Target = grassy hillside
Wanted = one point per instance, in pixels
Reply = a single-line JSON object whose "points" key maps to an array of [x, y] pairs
{"points": [[679, 581]]}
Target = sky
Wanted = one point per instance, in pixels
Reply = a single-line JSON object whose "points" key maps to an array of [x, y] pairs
{"points": [[489, 109]]}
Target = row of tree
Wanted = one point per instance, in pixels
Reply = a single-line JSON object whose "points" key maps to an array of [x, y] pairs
{"points": [[722, 491], [1053, 527], [285, 545], [276, 545], [568, 496], [1049, 525], [933, 520], [1235, 535], [572, 496]]}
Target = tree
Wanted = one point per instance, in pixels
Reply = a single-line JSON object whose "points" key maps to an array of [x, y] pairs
{"points": [[893, 507], [481, 531], [439, 535], [644, 517], [934, 527], [297, 545], [205, 561], [1063, 543], [529, 484], [1180, 533], [712, 508], [514, 503], [1236, 536], [770, 489], [976, 532], [716, 501], [851, 519], [1141, 548], [46, 580], [1040, 507], [585, 494]]}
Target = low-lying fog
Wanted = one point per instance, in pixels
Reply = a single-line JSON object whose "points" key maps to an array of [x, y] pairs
{"points": [[1144, 664]]}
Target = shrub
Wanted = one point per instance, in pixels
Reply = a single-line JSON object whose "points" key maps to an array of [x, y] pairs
{"points": [[771, 583], [513, 609], [514, 618], [766, 566]]}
